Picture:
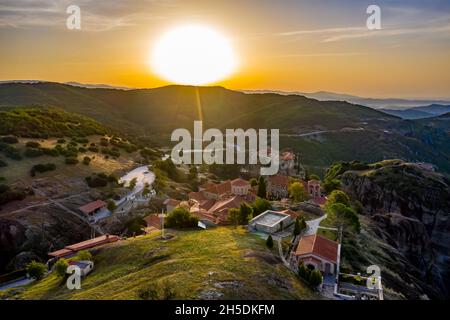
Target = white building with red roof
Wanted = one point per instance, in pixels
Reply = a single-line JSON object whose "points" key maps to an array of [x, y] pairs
{"points": [[317, 252]]}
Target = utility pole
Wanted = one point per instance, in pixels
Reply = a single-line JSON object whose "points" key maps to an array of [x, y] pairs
{"points": [[162, 223]]}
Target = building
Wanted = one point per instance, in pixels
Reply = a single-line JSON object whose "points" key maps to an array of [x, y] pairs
{"points": [[72, 249], [278, 186], [91, 208], [270, 221], [154, 222], [85, 266], [287, 163], [317, 252], [314, 189], [240, 187], [171, 204]]}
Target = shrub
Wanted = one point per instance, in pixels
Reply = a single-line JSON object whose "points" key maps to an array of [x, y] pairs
{"points": [[11, 152], [60, 267], [61, 141], [33, 144], [50, 152], [297, 192], [36, 270], [93, 149], [315, 278], [86, 160], [84, 255], [33, 153], [42, 168], [338, 196], [82, 149], [269, 242], [7, 194], [111, 205], [71, 160], [3, 163], [9, 139], [299, 226], [181, 218], [259, 206]]}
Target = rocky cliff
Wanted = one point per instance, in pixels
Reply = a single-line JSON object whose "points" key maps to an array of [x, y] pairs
{"points": [[408, 209]]}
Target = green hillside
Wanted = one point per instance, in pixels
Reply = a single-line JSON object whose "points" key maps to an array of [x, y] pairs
{"points": [[347, 131], [222, 263]]}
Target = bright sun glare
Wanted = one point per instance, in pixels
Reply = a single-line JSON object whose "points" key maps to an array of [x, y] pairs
{"points": [[194, 55]]}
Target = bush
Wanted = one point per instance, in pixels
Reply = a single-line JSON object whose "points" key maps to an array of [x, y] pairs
{"points": [[181, 218], [61, 141], [33, 144], [315, 278], [42, 168], [338, 196], [259, 206], [269, 242], [36, 270], [86, 160], [60, 267], [33, 153], [7, 194], [82, 149], [93, 149], [3, 163], [11, 152], [83, 255], [50, 152], [9, 139], [71, 160], [111, 205]]}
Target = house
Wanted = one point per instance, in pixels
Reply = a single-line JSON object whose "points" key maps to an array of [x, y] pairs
{"points": [[313, 188], [240, 187], [278, 186], [92, 208], [270, 221], [85, 266], [153, 222], [287, 163], [171, 204], [317, 252], [217, 191], [72, 249]]}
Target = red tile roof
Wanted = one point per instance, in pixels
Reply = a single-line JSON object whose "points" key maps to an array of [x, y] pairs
{"points": [[171, 202], [73, 248], [318, 246], [153, 220], [279, 180], [198, 196], [220, 188], [92, 206], [240, 182], [292, 213], [93, 242]]}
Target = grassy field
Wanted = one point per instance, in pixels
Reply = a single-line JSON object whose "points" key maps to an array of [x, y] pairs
{"points": [[221, 263], [20, 170]]}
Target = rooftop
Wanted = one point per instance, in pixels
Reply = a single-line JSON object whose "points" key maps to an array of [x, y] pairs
{"points": [[318, 246], [92, 206]]}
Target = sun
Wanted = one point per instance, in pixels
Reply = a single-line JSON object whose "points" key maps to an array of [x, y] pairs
{"points": [[193, 55]]}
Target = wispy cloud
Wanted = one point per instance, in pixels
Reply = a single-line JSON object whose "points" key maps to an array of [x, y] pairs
{"points": [[97, 15]]}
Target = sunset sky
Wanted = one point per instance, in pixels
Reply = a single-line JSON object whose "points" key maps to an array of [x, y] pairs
{"points": [[281, 45]]}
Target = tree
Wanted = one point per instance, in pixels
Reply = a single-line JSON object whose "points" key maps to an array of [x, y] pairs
{"points": [[180, 217], [111, 205], [262, 191], [245, 213], [342, 214], [36, 270], [303, 271], [269, 242], [132, 183], [234, 216], [60, 267], [86, 160], [338, 196], [84, 255], [315, 278], [260, 205], [297, 192], [331, 184], [193, 173], [253, 182]]}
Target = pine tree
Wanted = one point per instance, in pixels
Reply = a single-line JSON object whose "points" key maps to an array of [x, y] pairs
{"points": [[262, 192], [269, 242]]}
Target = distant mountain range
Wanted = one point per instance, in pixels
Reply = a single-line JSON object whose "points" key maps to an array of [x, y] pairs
{"points": [[376, 103], [322, 132], [429, 111]]}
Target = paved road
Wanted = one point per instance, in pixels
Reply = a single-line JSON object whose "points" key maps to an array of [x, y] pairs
{"points": [[143, 176], [313, 225], [17, 283]]}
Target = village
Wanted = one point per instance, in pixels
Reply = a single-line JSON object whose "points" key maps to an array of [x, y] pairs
{"points": [[290, 222]]}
